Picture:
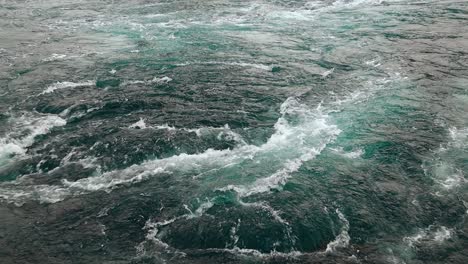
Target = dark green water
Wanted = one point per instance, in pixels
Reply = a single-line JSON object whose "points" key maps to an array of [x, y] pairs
{"points": [[266, 131]]}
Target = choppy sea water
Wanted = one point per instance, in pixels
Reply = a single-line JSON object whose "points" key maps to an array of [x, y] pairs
{"points": [[215, 131]]}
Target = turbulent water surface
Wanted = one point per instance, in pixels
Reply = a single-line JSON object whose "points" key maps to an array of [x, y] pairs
{"points": [[230, 131]]}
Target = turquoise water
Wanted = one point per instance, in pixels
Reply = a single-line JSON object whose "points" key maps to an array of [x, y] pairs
{"points": [[233, 131]]}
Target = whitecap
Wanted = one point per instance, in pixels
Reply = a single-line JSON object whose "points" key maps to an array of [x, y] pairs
{"points": [[64, 85]]}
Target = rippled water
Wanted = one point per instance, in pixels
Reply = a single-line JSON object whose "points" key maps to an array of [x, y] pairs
{"points": [[266, 131]]}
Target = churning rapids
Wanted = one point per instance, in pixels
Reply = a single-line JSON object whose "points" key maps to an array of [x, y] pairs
{"points": [[230, 131]]}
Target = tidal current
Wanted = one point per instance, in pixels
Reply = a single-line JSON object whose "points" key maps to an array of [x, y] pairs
{"points": [[216, 131]]}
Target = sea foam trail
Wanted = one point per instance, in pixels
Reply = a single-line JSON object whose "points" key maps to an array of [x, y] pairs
{"points": [[153, 240], [153, 228], [239, 64], [342, 240], [224, 132], [65, 85]]}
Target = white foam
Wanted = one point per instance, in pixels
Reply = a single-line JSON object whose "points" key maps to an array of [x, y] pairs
{"points": [[225, 132], [252, 65], [255, 253], [166, 127], [442, 168], [276, 215], [274, 181], [459, 137], [55, 57], [262, 205], [164, 79], [153, 228], [314, 126], [64, 85], [350, 155], [233, 234], [18, 195], [241, 64], [24, 129], [342, 240], [108, 180], [151, 236], [446, 174], [453, 180], [327, 73], [429, 235], [139, 124], [311, 10], [202, 208], [442, 234], [373, 63], [155, 80]]}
